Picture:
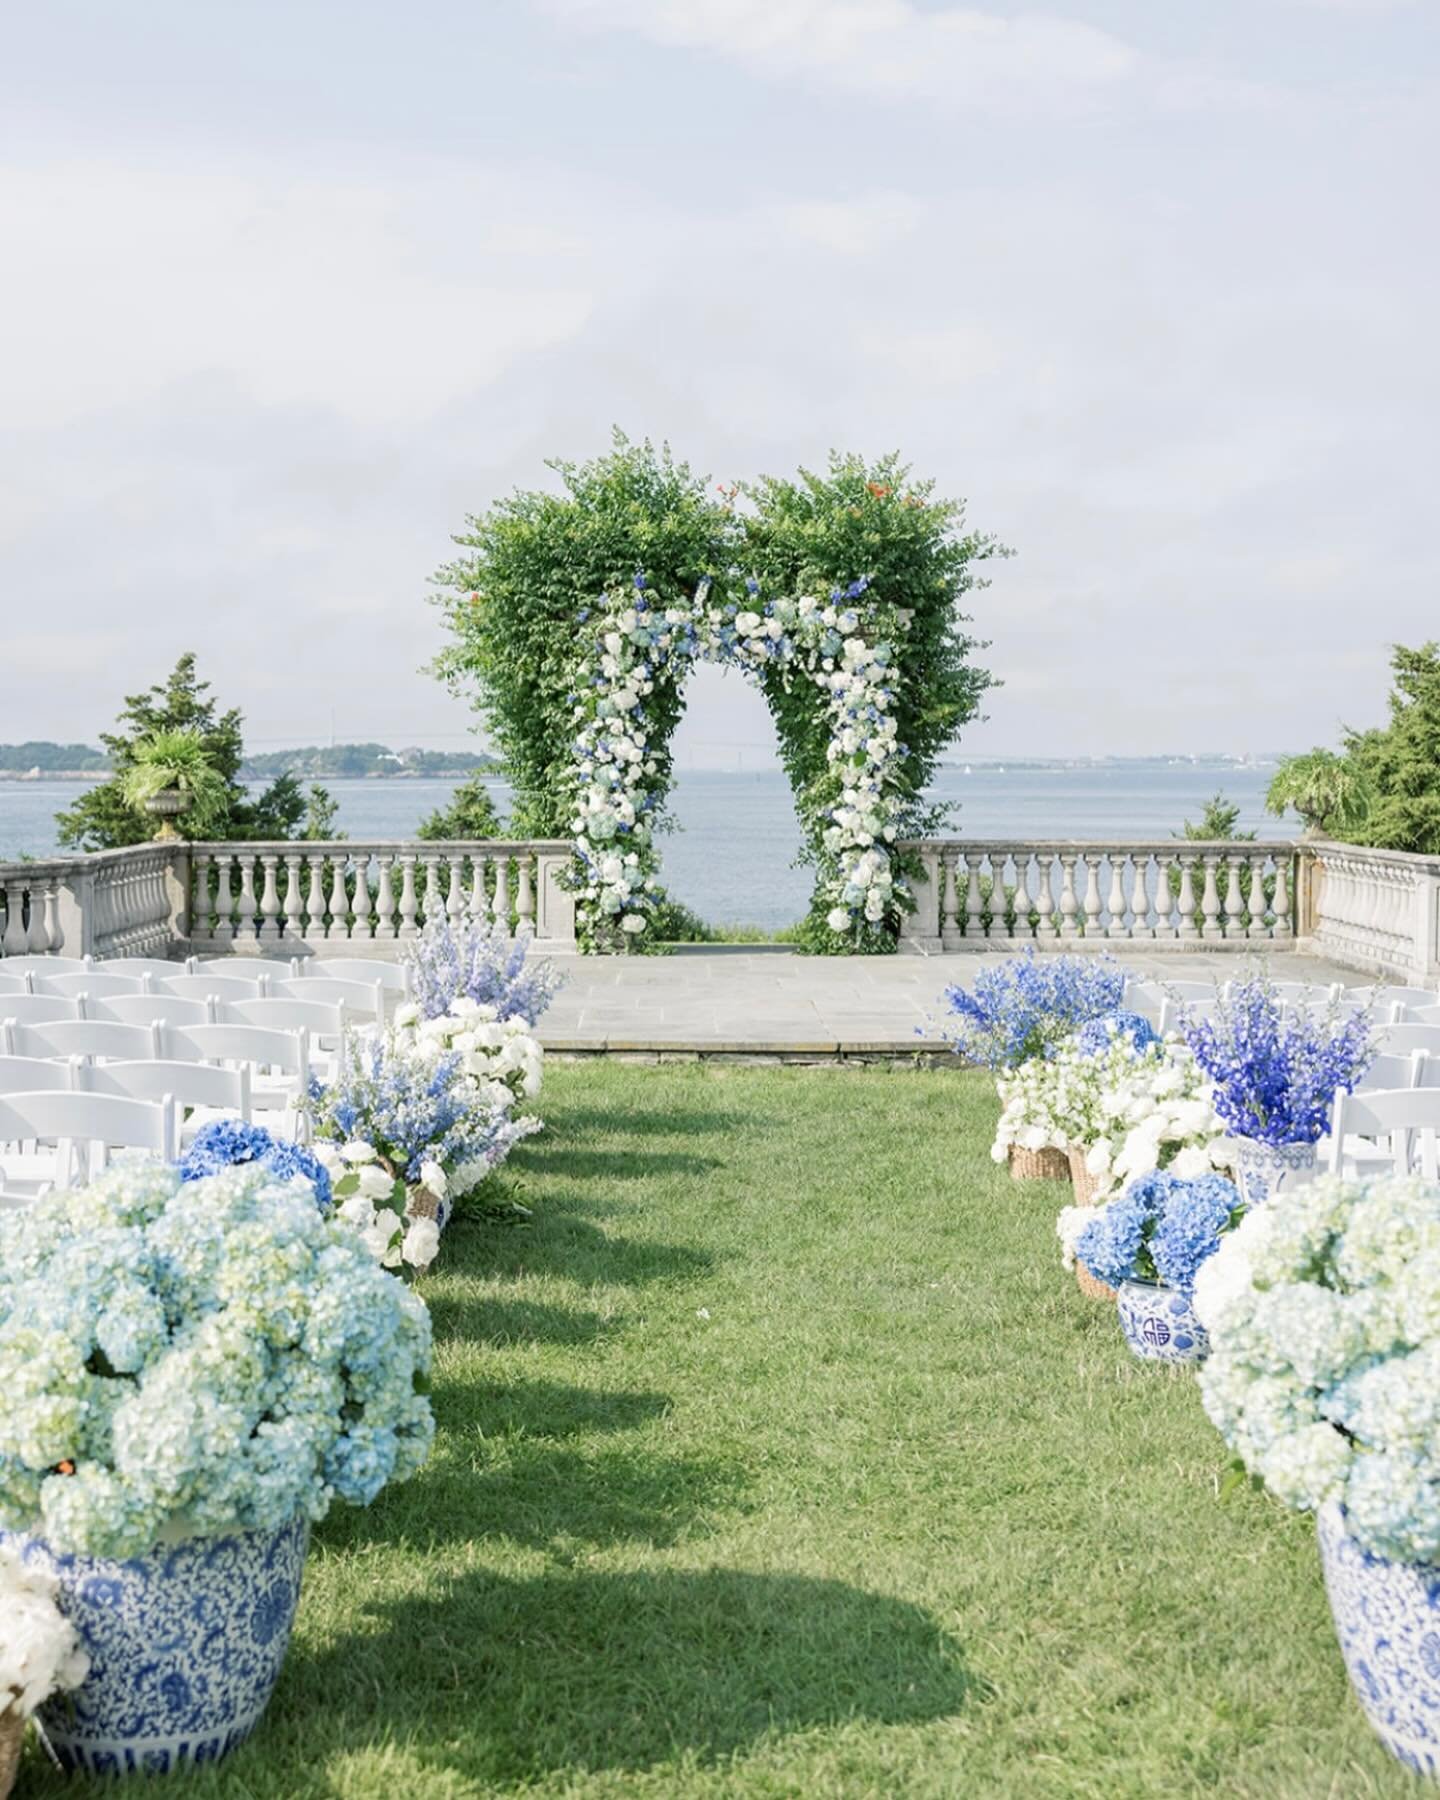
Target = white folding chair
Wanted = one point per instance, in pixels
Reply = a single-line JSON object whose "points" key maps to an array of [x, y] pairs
{"points": [[84, 1128], [209, 986], [393, 977], [363, 998], [1387, 1071], [1398, 1127], [200, 1089], [1424, 1015], [324, 1023], [1398, 1040], [46, 965], [277, 1064], [15, 984], [37, 1009], [150, 1009], [94, 984], [158, 966], [1409, 997], [241, 968], [1309, 993], [34, 1075], [81, 1037]]}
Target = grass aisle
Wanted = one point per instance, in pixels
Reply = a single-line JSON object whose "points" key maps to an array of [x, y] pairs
{"points": [[779, 1458]]}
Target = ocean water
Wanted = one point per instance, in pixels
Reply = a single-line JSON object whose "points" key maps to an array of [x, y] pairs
{"points": [[732, 854]]}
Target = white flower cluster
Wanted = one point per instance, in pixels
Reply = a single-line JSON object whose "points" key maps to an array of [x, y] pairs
{"points": [[40, 1650], [1052, 1102], [1154, 1111], [619, 773], [368, 1202], [1323, 1309], [503, 1055]]}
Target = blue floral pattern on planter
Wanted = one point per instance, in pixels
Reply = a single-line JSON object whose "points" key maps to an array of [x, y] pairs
{"points": [[1261, 1170], [1387, 1617], [1159, 1323], [186, 1645]]}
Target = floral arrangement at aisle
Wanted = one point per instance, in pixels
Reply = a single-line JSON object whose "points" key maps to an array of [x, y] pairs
{"points": [[501, 1053], [1323, 1311], [231, 1143], [40, 1654], [406, 1130], [1276, 1071], [1149, 1244], [1154, 1110], [640, 639], [481, 963], [193, 1371], [1026, 1005]]}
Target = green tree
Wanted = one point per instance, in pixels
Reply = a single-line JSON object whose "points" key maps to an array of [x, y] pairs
{"points": [[322, 814], [470, 814], [103, 818], [1216, 824], [1399, 763], [1328, 790]]}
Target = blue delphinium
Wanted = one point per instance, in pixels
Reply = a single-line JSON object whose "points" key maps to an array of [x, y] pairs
{"points": [[482, 963], [1025, 1005], [1096, 1036], [223, 1143], [1161, 1229], [1276, 1070]]}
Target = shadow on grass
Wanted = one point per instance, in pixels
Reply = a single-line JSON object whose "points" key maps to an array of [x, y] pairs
{"points": [[564, 1245], [633, 1121], [507, 1681], [620, 1164], [501, 1321], [542, 1409]]}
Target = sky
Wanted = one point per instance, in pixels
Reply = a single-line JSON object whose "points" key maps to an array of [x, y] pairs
{"points": [[293, 288]]}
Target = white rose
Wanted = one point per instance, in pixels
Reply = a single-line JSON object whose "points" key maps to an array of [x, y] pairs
{"points": [[407, 1014], [632, 923], [838, 919], [421, 1242], [357, 1151], [382, 1236], [375, 1184], [357, 1211], [433, 1177]]}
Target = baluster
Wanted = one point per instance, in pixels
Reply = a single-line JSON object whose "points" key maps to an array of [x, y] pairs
{"points": [[1210, 899], [950, 904], [525, 900], [454, 897], [995, 925], [974, 901], [1282, 897], [224, 900], [1142, 907], [38, 934], [54, 930], [1187, 927], [1023, 929], [1234, 899], [479, 905], [17, 934], [1257, 897], [434, 905], [338, 929], [1115, 901], [1092, 896], [362, 929], [407, 896], [269, 901], [292, 924], [315, 899], [245, 932], [1068, 902], [1045, 929], [202, 931], [502, 891], [385, 900]]}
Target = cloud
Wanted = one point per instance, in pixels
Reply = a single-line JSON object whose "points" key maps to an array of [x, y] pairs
{"points": [[887, 48]]}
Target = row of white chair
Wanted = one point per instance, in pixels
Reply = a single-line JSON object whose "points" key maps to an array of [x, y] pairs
{"points": [[394, 977], [322, 1018], [72, 1133], [364, 998], [1385, 1130]]}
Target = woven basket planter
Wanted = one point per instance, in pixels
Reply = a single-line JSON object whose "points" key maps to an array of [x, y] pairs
{"points": [[12, 1736], [1085, 1184], [1090, 1285], [1039, 1165]]}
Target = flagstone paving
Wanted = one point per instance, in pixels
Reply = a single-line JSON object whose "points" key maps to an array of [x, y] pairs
{"points": [[716, 1000]]}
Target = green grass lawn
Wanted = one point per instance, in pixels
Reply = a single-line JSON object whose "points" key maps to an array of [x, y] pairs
{"points": [[778, 1456]]}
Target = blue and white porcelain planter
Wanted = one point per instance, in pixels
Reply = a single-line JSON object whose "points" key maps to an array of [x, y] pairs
{"points": [[185, 1644], [1387, 1617], [1159, 1323], [1261, 1170]]}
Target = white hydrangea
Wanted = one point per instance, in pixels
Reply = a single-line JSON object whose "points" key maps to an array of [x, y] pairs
{"points": [[40, 1650], [1324, 1370]]}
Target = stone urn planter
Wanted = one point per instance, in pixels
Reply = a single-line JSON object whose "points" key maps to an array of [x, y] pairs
{"points": [[1159, 1323], [1261, 1170], [1049, 1164], [166, 807], [186, 1644], [1387, 1617]]}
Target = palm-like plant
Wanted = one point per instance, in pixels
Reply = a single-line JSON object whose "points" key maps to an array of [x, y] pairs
{"points": [[179, 763], [1329, 791]]}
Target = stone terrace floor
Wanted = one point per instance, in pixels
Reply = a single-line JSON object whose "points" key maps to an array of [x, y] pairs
{"points": [[713, 1000]]}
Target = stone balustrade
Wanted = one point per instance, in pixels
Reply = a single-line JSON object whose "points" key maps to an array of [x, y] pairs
{"points": [[371, 896], [1189, 896], [126, 902], [1372, 909]]}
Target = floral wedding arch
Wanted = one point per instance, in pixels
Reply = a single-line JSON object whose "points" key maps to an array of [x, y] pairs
{"points": [[838, 645]]}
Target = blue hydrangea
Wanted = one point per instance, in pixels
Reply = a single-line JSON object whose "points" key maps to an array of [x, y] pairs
{"points": [[1162, 1228], [1277, 1071], [1026, 1005], [224, 1143], [1096, 1036]]}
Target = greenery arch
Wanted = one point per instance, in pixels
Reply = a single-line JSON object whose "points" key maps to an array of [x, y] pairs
{"points": [[778, 578]]}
